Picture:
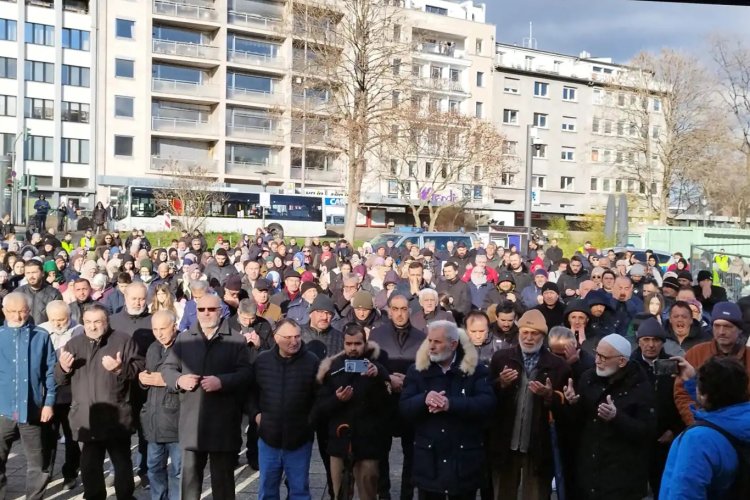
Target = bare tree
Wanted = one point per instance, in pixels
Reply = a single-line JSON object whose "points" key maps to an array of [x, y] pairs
{"points": [[190, 195], [351, 53], [655, 116], [436, 159]]}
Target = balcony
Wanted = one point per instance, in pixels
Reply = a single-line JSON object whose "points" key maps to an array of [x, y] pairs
{"points": [[254, 169], [180, 87], [255, 96], [443, 84], [311, 102], [188, 9], [267, 61], [255, 21], [181, 49], [440, 49], [168, 165], [181, 125], [318, 175], [274, 133]]}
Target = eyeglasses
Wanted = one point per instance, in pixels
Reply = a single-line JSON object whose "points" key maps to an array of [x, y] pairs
{"points": [[208, 309], [601, 356]]}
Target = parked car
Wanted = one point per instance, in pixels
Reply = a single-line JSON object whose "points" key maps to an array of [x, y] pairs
{"points": [[419, 237]]}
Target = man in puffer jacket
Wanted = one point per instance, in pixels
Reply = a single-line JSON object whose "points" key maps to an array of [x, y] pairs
{"points": [[39, 292]]}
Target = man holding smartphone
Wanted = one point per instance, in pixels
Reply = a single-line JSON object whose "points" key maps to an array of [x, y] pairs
{"points": [[661, 372]]}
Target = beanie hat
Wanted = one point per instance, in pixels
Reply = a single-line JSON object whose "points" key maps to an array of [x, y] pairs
{"points": [[322, 303], [598, 298], [619, 344], [147, 264], [390, 277], [651, 328], [541, 272], [290, 273], [233, 283], [533, 319], [506, 276], [550, 286], [577, 305], [704, 275], [728, 311], [262, 285], [671, 283], [362, 300], [637, 270], [308, 285], [685, 275], [49, 266]]}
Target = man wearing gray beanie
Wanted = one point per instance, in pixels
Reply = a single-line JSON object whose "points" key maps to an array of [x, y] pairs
{"points": [[615, 404]]}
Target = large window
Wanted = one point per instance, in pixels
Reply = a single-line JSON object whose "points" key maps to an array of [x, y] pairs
{"points": [[39, 148], [40, 34], [124, 106], [540, 151], [567, 183], [436, 10], [41, 109], [75, 150], [251, 82], [123, 145], [8, 67], [124, 28], [569, 94], [37, 71], [75, 39], [75, 112], [540, 120], [568, 154], [7, 105], [510, 116], [252, 155], [75, 76], [541, 89], [124, 68], [8, 29]]}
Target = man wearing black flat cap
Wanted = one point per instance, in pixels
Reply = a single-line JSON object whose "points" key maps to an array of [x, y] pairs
{"points": [[707, 293], [266, 309], [551, 307], [319, 336], [290, 292]]}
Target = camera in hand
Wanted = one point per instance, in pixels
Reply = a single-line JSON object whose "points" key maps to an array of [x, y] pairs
{"points": [[666, 367], [356, 365]]}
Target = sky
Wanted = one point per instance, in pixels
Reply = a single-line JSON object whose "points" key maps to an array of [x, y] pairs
{"points": [[616, 28]]}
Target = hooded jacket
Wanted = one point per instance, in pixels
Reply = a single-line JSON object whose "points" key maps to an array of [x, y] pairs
{"points": [[39, 300]]}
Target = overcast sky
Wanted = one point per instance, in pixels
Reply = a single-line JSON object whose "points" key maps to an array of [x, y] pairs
{"points": [[615, 28]]}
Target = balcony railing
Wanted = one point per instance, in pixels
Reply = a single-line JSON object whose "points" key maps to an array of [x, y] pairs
{"points": [[182, 49], [265, 60], [169, 164], [255, 21], [184, 88], [445, 84], [180, 125], [186, 9], [312, 102], [253, 168], [255, 96], [316, 174], [257, 133]]}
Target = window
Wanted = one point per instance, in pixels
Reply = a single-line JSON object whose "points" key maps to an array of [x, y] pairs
{"points": [[511, 85], [596, 125], [454, 106], [594, 184], [528, 62], [606, 185], [538, 181], [8, 29], [395, 98], [8, 67], [394, 167], [392, 189], [124, 28], [412, 168], [569, 93], [566, 183], [479, 45], [123, 145], [39, 148], [540, 151], [621, 99], [569, 124], [396, 32], [597, 97], [608, 127], [75, 151], [510, 116], [605, 71], [124, 68], [434, 105], [7, 105], [75, 112], [507, 179], [436, 10], [621, 128], [642, 187], [396, 66], [37, 71], [618, 185], [40, 109], [123, 106], [75, 39], [480, 79], [455, 75], [428, 170], [416, 70], [40, 34], [479, 112], [595, 155], [656, 132], [477, 192], [607, 156], [631, 185], [656, 104], [568, 154], [540, 120], [541, 89], [75, 76]]}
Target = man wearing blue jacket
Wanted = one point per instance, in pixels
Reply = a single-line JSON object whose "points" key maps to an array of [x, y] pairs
{"points": [[27, 392]]}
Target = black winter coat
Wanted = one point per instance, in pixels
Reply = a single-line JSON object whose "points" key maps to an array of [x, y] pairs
{"points": [[366, 412], [612, 459], [101, 408], [667, 416], [420, 321], [283, 392], [448, 446], [161, 413], [570, 281], [138, 327], [261, 326], [400, 357], [210, 421], [39, 300], [323, 343], [459, 291]]}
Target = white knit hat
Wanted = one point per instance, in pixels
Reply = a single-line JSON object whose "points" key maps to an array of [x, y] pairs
{"points": [[619, 344]]}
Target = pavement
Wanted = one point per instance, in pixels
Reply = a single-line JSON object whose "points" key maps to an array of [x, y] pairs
{"points": [[246, 479]]}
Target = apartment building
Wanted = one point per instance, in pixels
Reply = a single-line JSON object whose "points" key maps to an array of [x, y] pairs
{"points": [[585, 133], [47, 57]]}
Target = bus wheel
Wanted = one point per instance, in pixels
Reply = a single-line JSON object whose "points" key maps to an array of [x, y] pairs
{"points": [[276, 230]]}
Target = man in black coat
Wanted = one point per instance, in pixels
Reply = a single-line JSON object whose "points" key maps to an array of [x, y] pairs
{"points": [[319, 336], [161, 413], [457, 290], [359, 402], [614, 406], [282, 416], [447, 398], [82, 294], [210, 366], [651, 337], [400, 341], [39, 292], [571, 279], [551, 307]]}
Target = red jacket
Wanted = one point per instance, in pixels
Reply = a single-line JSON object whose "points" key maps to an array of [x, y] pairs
{"points": [[492, 275]]}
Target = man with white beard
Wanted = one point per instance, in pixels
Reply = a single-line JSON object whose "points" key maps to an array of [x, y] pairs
{"points": [[615, 405]]}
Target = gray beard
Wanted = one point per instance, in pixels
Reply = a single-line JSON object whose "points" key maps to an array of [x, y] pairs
{"points": [[439, 358], [531, 351]]}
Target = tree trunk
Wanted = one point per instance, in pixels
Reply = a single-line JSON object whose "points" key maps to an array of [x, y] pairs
{"points": [[663, 205]]}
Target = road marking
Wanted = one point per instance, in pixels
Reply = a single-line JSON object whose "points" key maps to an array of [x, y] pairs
{"points": [[247, 482]]}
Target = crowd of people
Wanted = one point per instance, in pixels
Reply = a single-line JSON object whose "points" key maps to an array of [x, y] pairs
{"points": [[504, 373]]}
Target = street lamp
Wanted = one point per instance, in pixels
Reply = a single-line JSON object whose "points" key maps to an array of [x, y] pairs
{"points": [[16, 197], [532, 143], [264, 178]]}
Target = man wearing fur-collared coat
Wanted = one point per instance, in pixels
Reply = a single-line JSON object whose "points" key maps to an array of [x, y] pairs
{"points": [[447, 398]]}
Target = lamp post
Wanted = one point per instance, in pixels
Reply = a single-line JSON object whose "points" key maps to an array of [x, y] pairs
{"points": [[531, 144], [16, 195], [264, 178]]}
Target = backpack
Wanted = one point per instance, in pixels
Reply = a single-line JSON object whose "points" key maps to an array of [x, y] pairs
{"points": [[741, 488]]}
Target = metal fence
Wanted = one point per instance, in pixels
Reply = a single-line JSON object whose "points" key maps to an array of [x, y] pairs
{"points": [[729, 268]]}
